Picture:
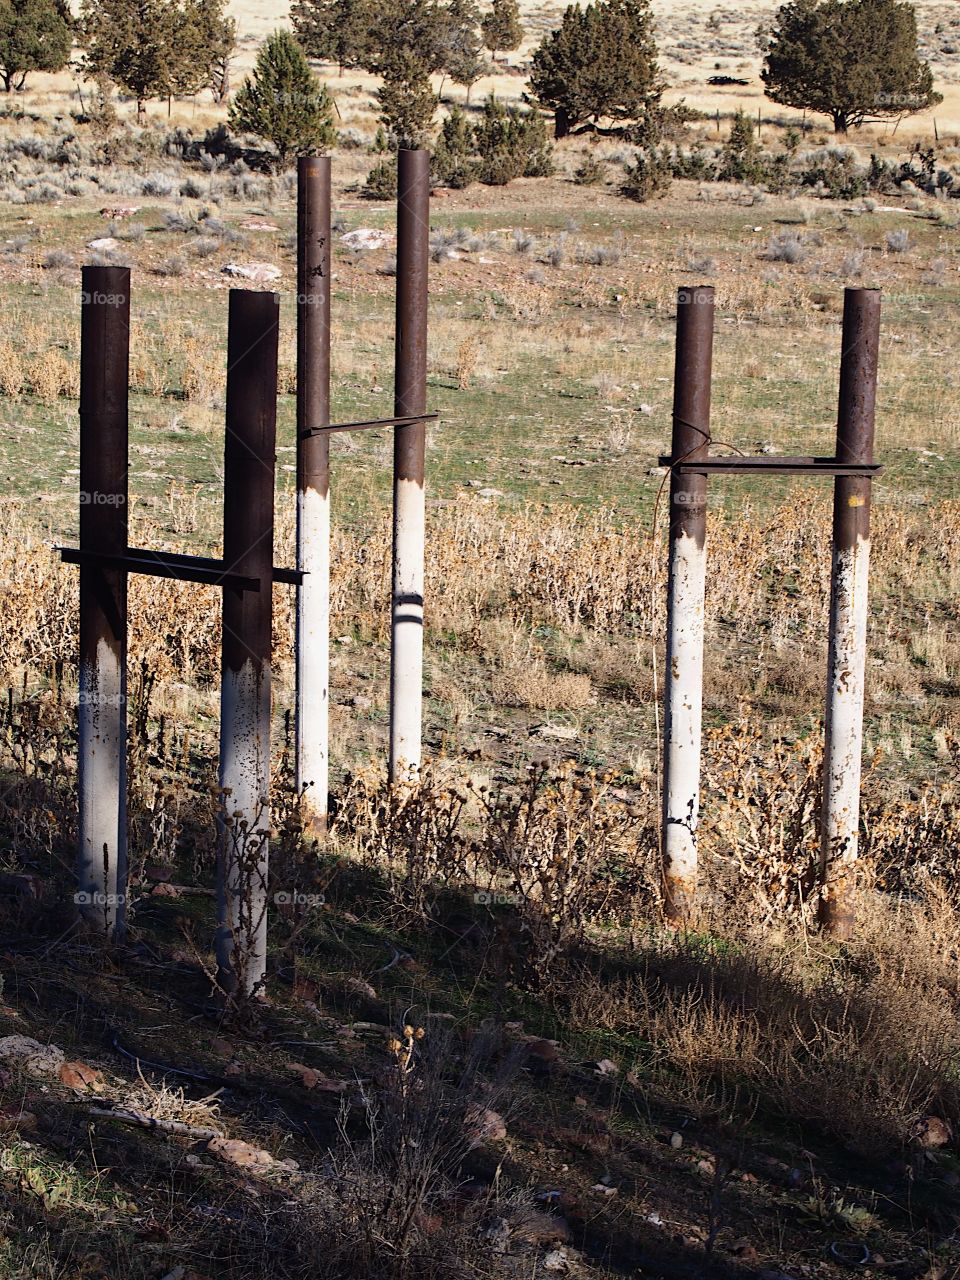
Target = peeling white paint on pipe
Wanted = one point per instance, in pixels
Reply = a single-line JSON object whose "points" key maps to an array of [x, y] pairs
{"points": [[843, 736], [683, 714], [102, 791], [245, 784], [313, 658], [406, 672]]}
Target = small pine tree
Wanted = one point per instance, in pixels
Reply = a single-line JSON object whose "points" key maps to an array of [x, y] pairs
{"points": [[649, 177], [283, 102], [511, 144], [407, 102], [463, 58], [501, 28], [740, 161], [35, 35], [454, 163]]}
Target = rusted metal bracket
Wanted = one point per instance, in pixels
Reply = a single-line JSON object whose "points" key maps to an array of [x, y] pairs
{"points": [[409, 420], [168, 564], [741, 466]]}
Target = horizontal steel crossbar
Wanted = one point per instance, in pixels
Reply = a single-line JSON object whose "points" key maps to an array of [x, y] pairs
{"points": [[775, 465], [168, 564], [408, 421]]}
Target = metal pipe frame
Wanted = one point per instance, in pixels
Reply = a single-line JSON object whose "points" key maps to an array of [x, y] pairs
{"points": [[847, 653], [409, 446], [683, 678], [312, 733], [248, 509], [104, 396]]}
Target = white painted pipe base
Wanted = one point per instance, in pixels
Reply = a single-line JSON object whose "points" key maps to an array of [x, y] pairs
{"points": [[313, 660], [406, 668], [101, 864], [683, 718], [245, 824], [843, 731]]}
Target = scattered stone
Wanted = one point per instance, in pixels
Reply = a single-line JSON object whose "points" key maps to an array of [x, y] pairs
{"points": [[222, 1048], [558, 732], [162, 890], [542, 1056], [744, 1252], [104, 244], [676, 1141], [484, 1125], [36, 1059], [932, 1132], [13, 1118], [117, 212], [604, 1189], [645, 409], [367, 238], [606, 1068], [489, 493], [256, 272], [657, 471], [556, 1260], [77, 1075], [242, 1154], [259, 226]]}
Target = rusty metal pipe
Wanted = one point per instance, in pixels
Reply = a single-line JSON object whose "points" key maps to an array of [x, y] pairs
{"points": [[248, 500], [313, 493], [847, 656], [104, 383], [683, 678], [409, 445]]}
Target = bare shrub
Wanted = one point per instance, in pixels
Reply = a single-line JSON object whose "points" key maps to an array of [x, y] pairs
{"points": [[785, 246]]}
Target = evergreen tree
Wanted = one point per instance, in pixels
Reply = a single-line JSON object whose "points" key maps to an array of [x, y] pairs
{"points": [[205, 40], [283, 101], [407, 102], [853, 60], [132, 43], [463, 58], [35, 35], [501, 28], [406, 34], [334, 30], [601, 63]]}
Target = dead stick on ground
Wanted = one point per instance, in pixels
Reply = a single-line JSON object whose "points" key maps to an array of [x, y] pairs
{"points": [[129, 1116]]}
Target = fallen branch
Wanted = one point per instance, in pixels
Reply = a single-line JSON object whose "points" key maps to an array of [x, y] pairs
{"points": [[127, 1115]]}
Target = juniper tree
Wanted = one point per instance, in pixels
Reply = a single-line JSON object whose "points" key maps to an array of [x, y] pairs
{"points": [[284, 102], [853, 60], [334, 30], [463, 58], [35, 35], [205, 38], [600, 63], [133, 43], [407, 102], [501, 28]]}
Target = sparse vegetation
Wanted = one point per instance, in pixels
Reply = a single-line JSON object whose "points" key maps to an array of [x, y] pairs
{"points": [[480, 1051]]}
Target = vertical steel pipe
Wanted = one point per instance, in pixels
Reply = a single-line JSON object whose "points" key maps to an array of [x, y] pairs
{"points": [[313, 492], [410, 397], [248, 485], [847, 655], [104, 381], [683, 677]]}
